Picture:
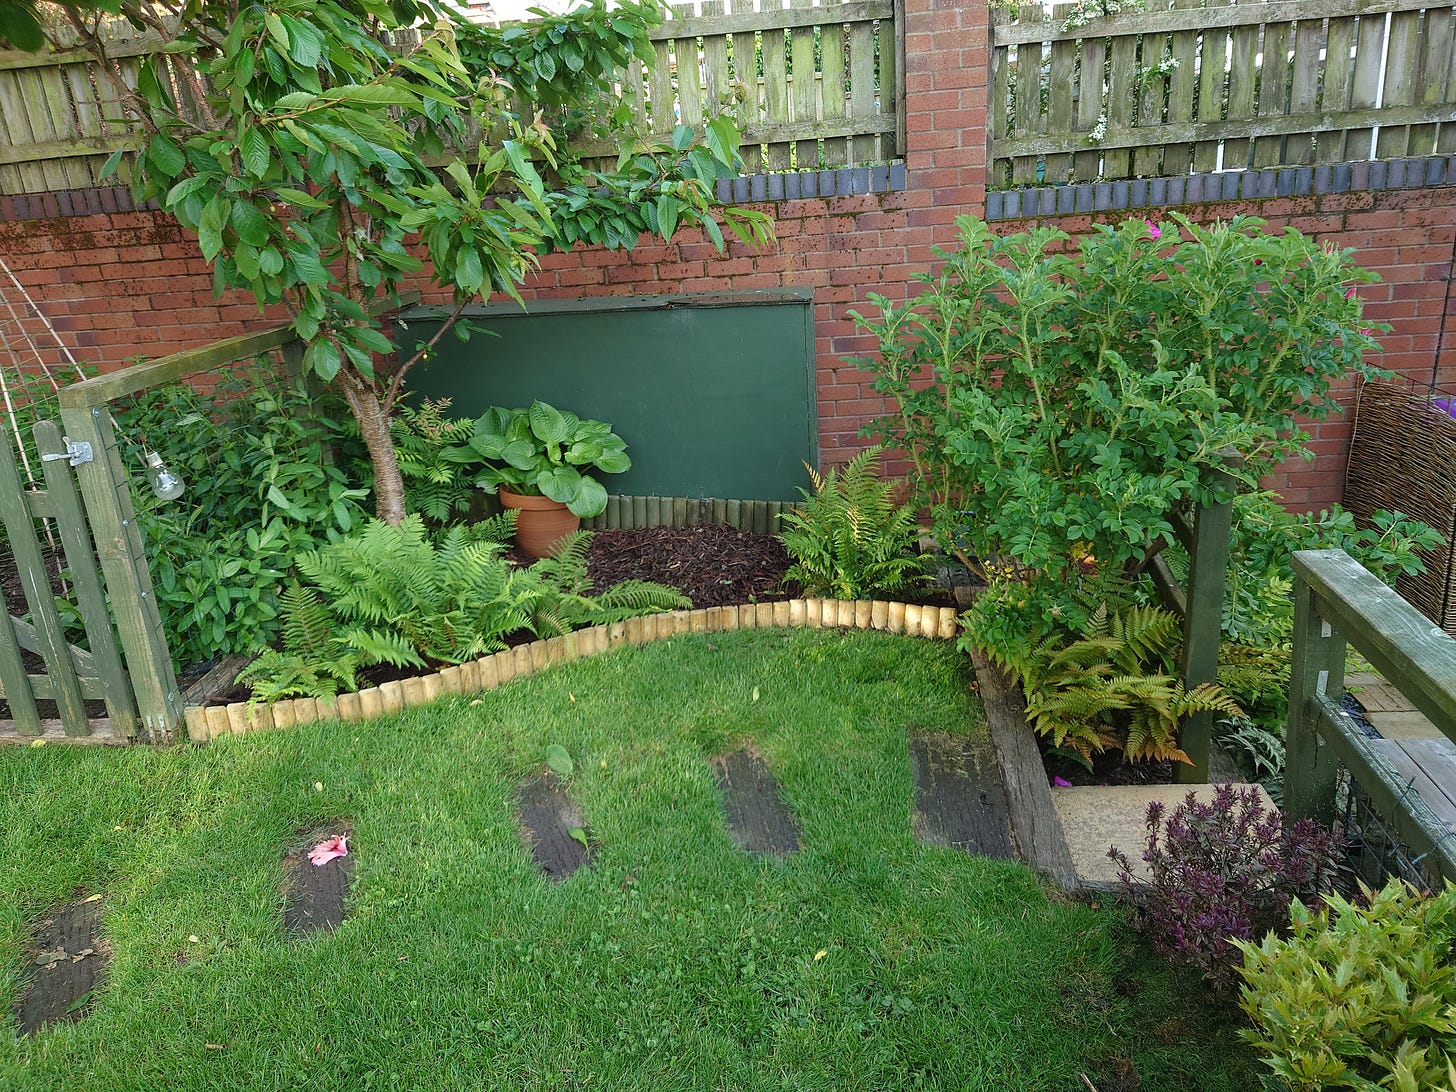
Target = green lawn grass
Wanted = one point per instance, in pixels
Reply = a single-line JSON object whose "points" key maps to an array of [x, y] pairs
{"points": [[864, 961]]}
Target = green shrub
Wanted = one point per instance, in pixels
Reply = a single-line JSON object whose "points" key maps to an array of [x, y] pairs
{"points": [[314, 660], [1059, 407], [849, 539], [264, 484], [1359, 997]]}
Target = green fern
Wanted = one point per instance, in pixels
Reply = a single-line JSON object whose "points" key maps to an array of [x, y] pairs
{"points": [[849, 539], [406, 600], [314, 662], [1110, 688]]}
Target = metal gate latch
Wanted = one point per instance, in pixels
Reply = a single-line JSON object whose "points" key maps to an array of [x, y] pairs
{"points": [[78, 451]]}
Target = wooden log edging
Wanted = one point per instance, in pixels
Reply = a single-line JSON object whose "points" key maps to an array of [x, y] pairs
{"points": [[208, 722]]}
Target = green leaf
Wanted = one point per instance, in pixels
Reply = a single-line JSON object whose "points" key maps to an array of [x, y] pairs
{"points": [[255, 152], [18, 25], [559, 760], [374, 94], [112, 162], [667, 210], [322, 359], [468, 273], [251, 225], [277, 31], [682, 137], [577, 834], [547, 422], [590, 500], [164, 154]]}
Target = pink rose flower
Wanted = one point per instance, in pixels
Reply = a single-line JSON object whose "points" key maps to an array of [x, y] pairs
{"points": [[328, 849]]}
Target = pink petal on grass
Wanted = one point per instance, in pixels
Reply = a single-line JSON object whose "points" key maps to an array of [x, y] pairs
{"points": [[328, 849]]}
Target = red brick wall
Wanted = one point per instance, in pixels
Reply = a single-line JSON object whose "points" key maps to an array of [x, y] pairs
{"points": [[119, 284]]}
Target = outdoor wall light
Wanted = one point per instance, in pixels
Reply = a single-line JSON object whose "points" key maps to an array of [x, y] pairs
{"points": [[166, 483]]}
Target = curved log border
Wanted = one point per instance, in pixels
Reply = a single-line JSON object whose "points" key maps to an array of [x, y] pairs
{"points": [[208, 722]]}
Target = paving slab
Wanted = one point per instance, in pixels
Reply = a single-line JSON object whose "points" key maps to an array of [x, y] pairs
{"points": [[758, 820], [1098, 817], [959, 799]]}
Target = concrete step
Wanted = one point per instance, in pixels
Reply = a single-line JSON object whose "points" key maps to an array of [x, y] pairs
{"points": [[1098, 817]]}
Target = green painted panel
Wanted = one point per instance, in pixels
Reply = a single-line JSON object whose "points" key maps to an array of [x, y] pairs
{"points": [[713, 394]]}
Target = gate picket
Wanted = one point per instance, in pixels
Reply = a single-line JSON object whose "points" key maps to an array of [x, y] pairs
{"points": [[25, 547], [86, 579]]}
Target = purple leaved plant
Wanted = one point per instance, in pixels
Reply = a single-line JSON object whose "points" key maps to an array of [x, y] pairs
{"points": [[1221, 870]]}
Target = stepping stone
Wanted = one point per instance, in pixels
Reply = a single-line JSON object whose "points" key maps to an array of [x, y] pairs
{"points": [[549, 817], [1097, 817], [314, 895], [68, 959], [758, 821], [959, 799]]}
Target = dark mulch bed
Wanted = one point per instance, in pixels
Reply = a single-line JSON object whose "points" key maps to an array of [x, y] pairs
{"points": [[1108, 768], [713, 565]]}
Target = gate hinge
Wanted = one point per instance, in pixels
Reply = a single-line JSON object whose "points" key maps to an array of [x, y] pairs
{"points": [[78, 451]]}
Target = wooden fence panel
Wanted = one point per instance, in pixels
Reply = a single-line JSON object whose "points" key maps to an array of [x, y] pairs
{"points": [[809, 86], [1186, 86]]}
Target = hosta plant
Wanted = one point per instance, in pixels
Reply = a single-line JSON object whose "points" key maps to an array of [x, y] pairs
{"points": [[546, 452], [849, 539]]}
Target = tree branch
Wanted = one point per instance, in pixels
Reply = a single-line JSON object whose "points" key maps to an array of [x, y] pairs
{"points": [[396, 383]]}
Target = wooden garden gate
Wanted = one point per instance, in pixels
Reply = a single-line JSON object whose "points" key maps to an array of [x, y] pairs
{"points": [[55, 702]]}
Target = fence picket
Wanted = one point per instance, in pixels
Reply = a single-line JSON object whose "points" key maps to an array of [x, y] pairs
{"points": [[833, 105], [715, 63], [803, 88], [1304, 88], [1182, 90], [1272, 90], [866, 149], [1436, 57], [1340, 41], [1121, 94], [1087, 165], [109, 509], [688, 70], [776, 92], [750, 88], [36, 583], [1365, 80], [1402, 51], [1059, 96], [1029, 120]]}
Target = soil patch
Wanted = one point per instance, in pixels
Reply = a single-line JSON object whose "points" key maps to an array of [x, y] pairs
{"points": [[68, 959], [1108, 768], [554, 827], [959, 798], [758, 820], [314, 895], [714, 565]]}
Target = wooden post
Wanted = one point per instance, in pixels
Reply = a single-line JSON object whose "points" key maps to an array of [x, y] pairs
{"points": [[105, 489], [1317, 667], [1203, 623]]}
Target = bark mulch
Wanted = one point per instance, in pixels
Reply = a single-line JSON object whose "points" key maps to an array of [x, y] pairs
{"points": [[713, 565]]}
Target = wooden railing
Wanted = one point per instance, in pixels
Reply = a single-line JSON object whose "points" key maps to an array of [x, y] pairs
{"points": [[1338, 602], [811, 88], [1180, 86]]}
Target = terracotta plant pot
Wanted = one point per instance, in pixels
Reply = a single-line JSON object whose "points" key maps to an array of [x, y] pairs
{"points": [[541, 523]]}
